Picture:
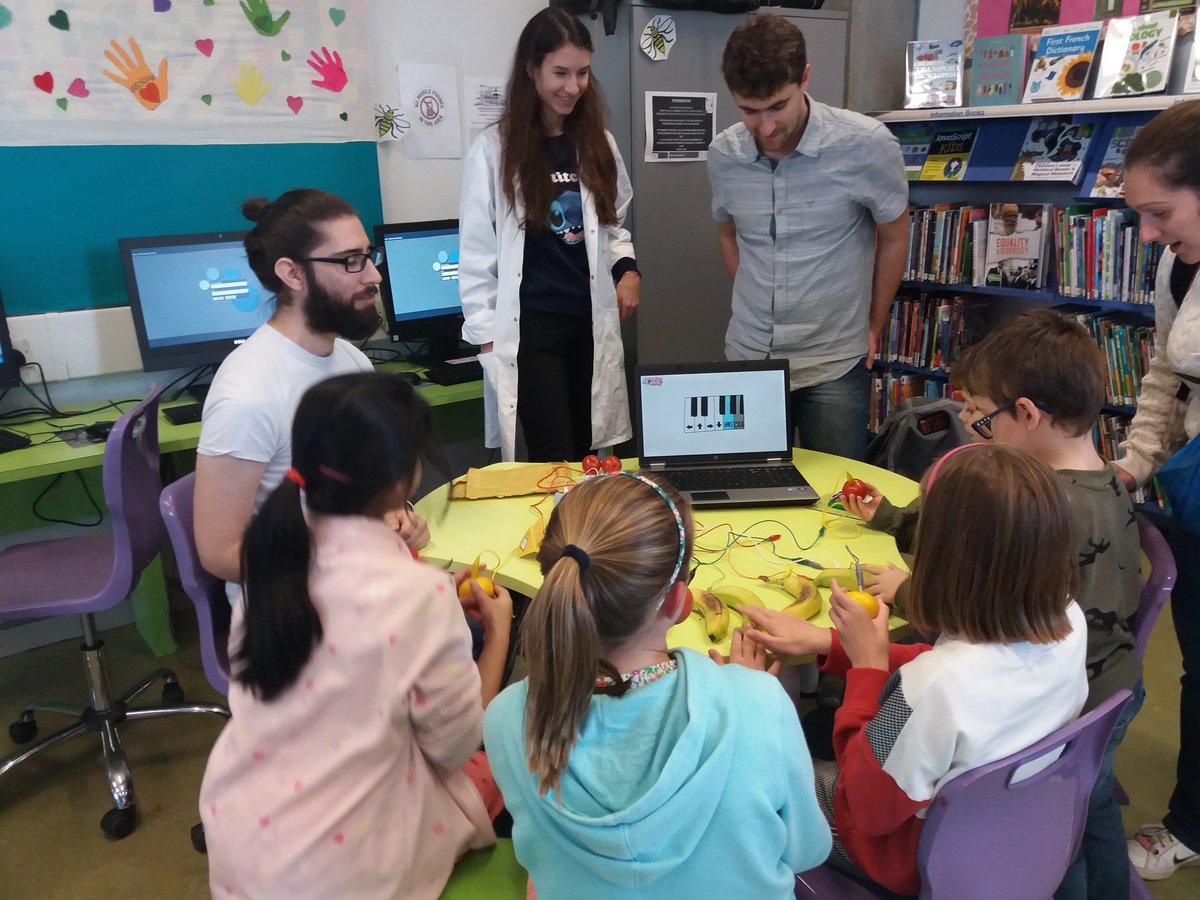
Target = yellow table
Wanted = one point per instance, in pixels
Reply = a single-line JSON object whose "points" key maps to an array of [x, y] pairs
{"points": [[463, 529]]}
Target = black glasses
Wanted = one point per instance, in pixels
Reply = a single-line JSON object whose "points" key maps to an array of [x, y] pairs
{"points": [[353, 263], [983, 425]]}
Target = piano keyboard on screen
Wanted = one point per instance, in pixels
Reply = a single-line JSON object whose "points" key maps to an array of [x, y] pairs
{"points": [[723, 412]]}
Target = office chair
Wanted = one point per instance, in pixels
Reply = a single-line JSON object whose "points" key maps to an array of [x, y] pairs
{"points": [[88, 574]]}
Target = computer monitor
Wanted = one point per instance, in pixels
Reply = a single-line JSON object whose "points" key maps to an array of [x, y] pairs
{"points": [[420, 285], [193, 297], [10, 370]]}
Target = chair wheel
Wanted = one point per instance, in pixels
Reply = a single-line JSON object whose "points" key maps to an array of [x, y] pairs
{"points": [[23, 730], [172, 692], [198, 840], [119, 823]]}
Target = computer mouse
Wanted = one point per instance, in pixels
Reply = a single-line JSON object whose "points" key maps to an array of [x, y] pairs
{"points": [[411, 377], [98, 431]]}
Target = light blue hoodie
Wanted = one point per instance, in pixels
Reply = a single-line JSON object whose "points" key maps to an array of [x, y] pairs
{"points": [[697, 785]]}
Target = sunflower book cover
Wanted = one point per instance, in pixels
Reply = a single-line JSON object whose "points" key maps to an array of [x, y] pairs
{"points": [[1136, 58], [1061, 62]]}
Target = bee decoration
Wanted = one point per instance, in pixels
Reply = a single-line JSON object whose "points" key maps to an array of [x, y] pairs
{"points": [[658, 37], [390, 123]]}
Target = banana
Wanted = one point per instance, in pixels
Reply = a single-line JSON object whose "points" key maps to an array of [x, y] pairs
{"points": [[734, 595], [806, 607], [798, 586], [715, 615], [844, 577]]}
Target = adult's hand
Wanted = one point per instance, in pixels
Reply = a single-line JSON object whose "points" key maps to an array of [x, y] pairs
{"points": [[1126, 478], [485, 348], [628, 294], [873, 341]]}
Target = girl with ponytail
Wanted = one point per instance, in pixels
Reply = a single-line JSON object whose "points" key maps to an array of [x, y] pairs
{"points": [[629, 769], [350, 765]]}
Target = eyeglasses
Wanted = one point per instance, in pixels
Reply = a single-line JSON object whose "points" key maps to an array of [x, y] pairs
{"points": [[983, 425], [353, 263]]}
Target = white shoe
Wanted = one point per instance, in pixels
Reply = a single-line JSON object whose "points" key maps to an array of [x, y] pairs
{"points": [[1156, 853]]}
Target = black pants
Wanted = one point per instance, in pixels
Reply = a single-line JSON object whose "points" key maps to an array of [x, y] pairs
{"points": [[554, 385]]}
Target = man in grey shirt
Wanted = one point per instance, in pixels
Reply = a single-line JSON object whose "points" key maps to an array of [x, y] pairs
{"points": [[810, 202]]}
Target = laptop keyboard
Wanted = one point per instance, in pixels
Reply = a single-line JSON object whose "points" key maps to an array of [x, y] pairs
{"points": [[734, 477]]}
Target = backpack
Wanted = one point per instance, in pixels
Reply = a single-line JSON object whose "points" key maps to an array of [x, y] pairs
{"points": [[608, 8], [917, 433]]}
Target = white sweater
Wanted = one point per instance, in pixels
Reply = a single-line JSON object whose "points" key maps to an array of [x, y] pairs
{"points": [[1162, 423]]}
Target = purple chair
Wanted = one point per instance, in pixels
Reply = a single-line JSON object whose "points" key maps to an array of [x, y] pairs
{"points": [[207, 592], [986, 835], [89, 574], [1156, 587]]}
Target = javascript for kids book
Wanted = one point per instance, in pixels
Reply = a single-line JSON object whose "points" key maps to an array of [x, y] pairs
{"points": [[1137, 55], [1061, 62], [1055, 148], [949, 153], [998, 67], [935, 72]]}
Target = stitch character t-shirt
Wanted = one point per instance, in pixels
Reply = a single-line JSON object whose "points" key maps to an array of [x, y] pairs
{"points": [[556, 277]]}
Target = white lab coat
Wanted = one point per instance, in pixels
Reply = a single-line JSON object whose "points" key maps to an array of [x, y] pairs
{"points": [[491, 254]]}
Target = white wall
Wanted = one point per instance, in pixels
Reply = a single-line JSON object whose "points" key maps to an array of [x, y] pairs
{"points": [[478, 38], [940, 20]]}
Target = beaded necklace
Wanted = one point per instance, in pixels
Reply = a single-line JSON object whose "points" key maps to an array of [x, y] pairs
{"points": [[640, 677]]}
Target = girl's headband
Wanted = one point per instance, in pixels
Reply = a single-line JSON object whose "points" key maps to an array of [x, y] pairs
{"points": [[949, 453]]}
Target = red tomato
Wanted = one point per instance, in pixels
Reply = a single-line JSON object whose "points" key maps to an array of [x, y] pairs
{"points": [[856, 487], [611, 464], [591, 464]]}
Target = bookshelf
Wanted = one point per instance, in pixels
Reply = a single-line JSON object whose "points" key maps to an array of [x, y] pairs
{"points": [[1147, 103]]}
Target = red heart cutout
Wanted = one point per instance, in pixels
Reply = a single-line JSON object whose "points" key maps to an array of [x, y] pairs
{"points": [[44, 82], [150, 93], [294, 103], [339, 838], [264, 821], [205, 46]]}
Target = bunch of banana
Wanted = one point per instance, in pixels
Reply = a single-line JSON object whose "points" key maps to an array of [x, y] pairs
{"points": [[806, 602], [715, 614], [844, 577], [733, 595]]}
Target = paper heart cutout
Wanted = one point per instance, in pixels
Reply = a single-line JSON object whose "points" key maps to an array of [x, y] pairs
{"points": [[60, 20], [61, 102], [294, 103], [337, 16], [344, 117], [78, 88], [206, 99], [162, 5], [264, 821], [205, 46], [339, 838], [44, 82], [284, 55], [5, 16], [150, 93]]}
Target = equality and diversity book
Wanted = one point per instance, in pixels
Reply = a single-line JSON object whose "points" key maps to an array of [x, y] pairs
{"points": [[934, 74], [1110, 175], [998, 68], [914, 138], [949, 153], [1061, 62], [1054, 150], [1016, 245], [1137, 55]]}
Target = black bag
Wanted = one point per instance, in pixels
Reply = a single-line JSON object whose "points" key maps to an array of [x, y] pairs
{"points": [[916, 434]]}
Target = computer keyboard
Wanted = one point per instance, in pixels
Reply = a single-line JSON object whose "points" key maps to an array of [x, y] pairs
{"points": [[454, 373], [734, 477], [10, 440], [183, 415]]}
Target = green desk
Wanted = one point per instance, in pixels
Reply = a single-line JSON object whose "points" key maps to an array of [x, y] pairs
{"points": [[463, 529]]}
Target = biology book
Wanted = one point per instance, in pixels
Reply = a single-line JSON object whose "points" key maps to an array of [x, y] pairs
{"points": [[1016, 245], [1061, 62], [1055, 148], [1110, 176], [1137, 55], [998, 67], [934, 74], [949, 153]]}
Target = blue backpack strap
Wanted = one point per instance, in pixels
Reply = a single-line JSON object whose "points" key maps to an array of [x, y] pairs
{"points": [[1182, 275]]}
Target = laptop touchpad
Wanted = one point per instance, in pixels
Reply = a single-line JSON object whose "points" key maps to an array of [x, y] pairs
{"points": [[704, 496]]}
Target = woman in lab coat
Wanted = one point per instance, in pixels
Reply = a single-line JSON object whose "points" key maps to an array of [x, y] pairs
{"points": [[546, 270]]}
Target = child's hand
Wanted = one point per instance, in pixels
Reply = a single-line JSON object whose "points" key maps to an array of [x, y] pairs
{"points": [[783, 634], [864, 639], [493, 613], [746, 653], [412, 528], [864, 507], [884, 581]]}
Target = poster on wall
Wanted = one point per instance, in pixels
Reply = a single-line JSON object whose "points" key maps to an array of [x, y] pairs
{"points": [[429, 97], [679, 125], [162, 72], [484, 102], [1034, 13]]}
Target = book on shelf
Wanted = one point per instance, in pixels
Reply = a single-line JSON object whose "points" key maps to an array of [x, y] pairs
{"points": [[1127, 341], [949, 153], [1110, 175], [930, 331], [1061, 62], [934, 74], [1054, 149], [1099, 255], [1191, 83], [945, 243], [914, 138], [1136, 58], [890, 389], [1016, 245], [998, 67]]}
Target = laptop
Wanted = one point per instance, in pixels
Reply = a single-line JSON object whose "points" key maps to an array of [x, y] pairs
{"points": [[720, 432]]}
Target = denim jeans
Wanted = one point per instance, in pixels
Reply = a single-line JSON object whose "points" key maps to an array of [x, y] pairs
{"points": [[1183, 809], [1101, 870], [832, 417]]}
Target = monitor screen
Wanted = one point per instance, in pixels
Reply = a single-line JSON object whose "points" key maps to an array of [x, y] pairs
{"points": [[10, 372], [420, 281], [193, 297]]}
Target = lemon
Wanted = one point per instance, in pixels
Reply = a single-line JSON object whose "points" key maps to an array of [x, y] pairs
{"points": [[865, 600], [485, 584]]}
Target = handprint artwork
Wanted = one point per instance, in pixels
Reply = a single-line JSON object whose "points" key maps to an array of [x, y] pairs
{"points": [[333, 74], [149, 89], [259, 14], [251, 85]]}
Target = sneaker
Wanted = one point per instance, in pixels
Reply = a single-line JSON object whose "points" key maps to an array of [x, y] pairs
{"points": [[1156, 853]]}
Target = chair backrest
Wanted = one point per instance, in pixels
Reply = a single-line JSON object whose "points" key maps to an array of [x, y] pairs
{"points": [[207, 592], [1156, 587], [131, 486], [1015, 839]]}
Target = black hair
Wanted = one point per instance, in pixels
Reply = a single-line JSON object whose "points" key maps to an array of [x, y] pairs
{"points": [[354, 438], [288, 226]]}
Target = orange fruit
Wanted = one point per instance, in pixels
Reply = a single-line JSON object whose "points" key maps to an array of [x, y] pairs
{"points": [[865, 600], [485, 583]]}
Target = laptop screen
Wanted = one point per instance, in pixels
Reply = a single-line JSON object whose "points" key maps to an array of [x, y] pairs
{"points": [[717, 411]]}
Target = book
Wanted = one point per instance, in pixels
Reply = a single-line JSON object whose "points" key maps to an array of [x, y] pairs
{"points": [[1137, 55], [914, 138], [1191, 84], [998, 67], [1054, 150], [1061, 62], [1110, 175], [949, 153], [1016, 244], [934, 74]]}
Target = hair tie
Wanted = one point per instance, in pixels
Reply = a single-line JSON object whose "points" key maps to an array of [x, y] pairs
{"points": [[295, 477], [580, 556], [333, 473]]}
